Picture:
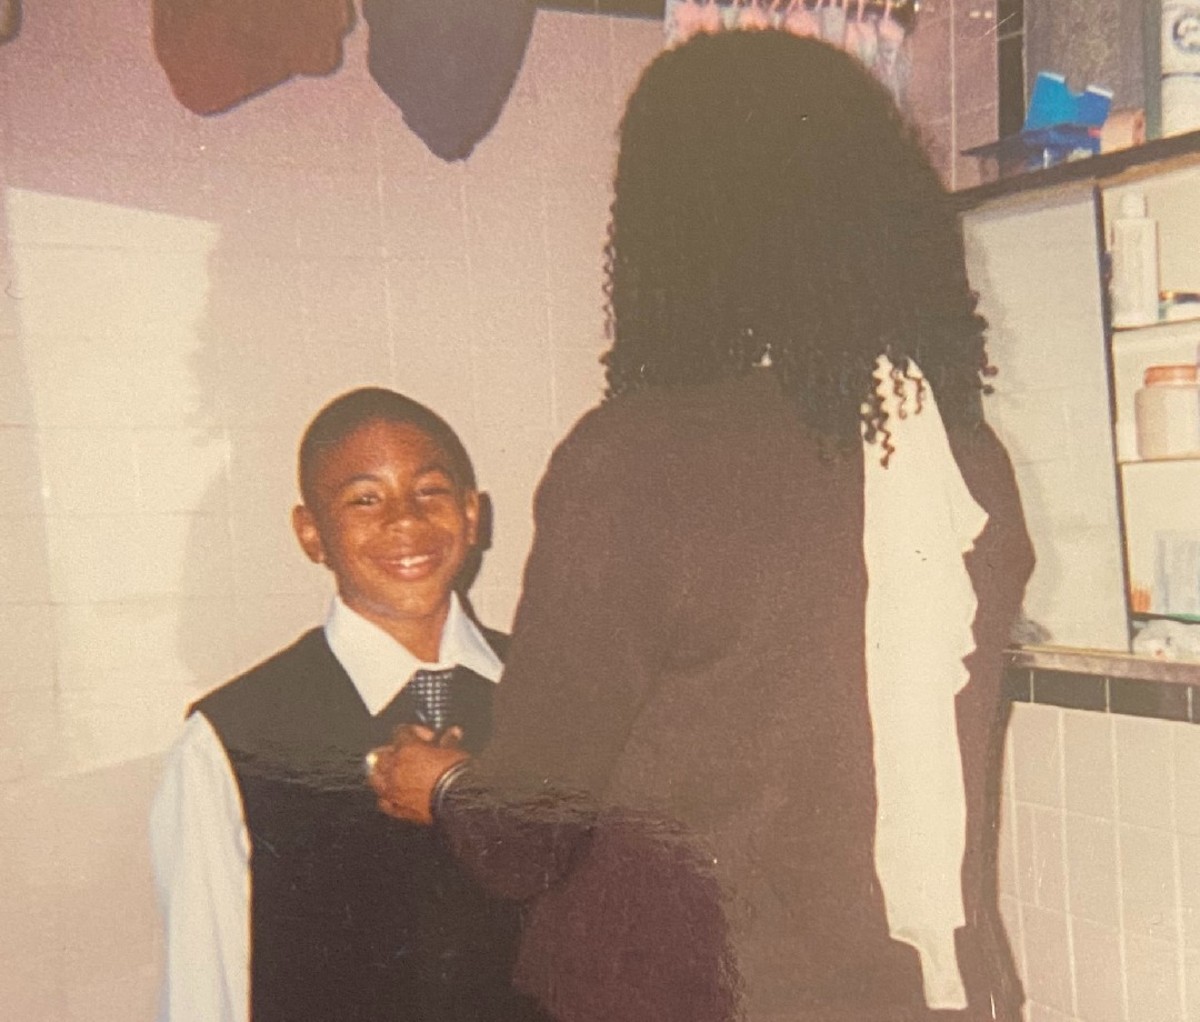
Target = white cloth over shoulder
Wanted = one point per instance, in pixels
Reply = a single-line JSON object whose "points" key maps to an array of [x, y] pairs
{"points": [[919, 520]]}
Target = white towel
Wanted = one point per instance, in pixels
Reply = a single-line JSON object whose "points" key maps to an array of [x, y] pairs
{"points": [[919, 520]]}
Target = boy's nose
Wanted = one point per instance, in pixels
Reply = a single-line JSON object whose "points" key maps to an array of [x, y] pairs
{"points": [[403, 510]]}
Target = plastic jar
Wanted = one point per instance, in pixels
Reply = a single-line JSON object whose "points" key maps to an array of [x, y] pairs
{"points": [[1179, 61], [1167, 409]]}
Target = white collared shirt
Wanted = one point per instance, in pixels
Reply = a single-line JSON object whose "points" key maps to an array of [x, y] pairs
{"points": [[374, 660], [198, 837]]}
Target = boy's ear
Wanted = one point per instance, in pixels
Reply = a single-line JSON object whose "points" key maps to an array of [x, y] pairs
{"points": [[305, 526], [471, 510], [484, 522]]}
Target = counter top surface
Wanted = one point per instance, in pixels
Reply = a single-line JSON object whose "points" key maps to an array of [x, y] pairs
{"points": [[1107, 663]]}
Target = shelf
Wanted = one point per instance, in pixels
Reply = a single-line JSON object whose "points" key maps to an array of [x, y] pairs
{"points": [[1158, 330], [1182, 148], [903, 11], [1130, 462], [614, 8], [1148, 615]]}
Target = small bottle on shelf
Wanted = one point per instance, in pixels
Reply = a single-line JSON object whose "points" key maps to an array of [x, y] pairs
{"points": [[1134, 285]]}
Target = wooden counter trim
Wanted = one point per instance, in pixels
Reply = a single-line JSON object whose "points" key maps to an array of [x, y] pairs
{"points": [[1155, 156]]}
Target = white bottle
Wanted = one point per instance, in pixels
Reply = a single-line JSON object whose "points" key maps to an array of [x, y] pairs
{"points": [[1134, 285]]}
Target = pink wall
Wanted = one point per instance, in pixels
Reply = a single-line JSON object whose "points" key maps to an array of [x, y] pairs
{"points": [[953, 92], [181, 294]]}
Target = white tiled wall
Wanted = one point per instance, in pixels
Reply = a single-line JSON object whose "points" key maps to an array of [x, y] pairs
{"points": [[180, 295], [1099, 860], [1099, 850]]}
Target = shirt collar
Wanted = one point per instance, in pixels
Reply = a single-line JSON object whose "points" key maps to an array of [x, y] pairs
{"points": [[380, 667]]}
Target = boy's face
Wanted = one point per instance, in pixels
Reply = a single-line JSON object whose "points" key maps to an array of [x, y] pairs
{"points": [[394, 526]]}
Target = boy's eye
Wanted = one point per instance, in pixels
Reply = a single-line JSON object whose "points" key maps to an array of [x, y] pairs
{"points": [[433, 486], [434, 490], [363, 499]]}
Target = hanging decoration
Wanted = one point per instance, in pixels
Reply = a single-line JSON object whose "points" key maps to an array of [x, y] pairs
{"points": [[10, 19], [874, 31], [449, 65], [218, 53]]}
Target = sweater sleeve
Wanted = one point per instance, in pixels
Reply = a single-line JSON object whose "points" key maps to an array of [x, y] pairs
{"points": [[585, 651]]}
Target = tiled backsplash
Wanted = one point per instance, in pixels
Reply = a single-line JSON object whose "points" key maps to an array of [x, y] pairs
{"points": [[1100, 847], [1132, 697]]}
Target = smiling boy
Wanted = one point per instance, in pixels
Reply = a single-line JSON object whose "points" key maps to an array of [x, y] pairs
{"points": [[357, 501], [287, 895]]}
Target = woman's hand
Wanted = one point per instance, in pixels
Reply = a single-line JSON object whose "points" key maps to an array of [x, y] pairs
{"points": [[404, 773]]}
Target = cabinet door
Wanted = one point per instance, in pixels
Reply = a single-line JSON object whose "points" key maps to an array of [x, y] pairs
{"points": [[1162, 497], [1037, 269]]}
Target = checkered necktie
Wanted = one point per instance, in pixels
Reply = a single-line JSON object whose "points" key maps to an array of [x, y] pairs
{"points": [[431, 690]]}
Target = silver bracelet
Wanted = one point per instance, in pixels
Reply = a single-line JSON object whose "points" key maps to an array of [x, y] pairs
{"points": [[443, 785]]}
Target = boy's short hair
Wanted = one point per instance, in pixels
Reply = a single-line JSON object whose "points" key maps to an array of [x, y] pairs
{"points": [[346, 413]]}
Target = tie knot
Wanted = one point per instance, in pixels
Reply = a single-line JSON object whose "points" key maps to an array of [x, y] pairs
{"points": [[431, 690]]}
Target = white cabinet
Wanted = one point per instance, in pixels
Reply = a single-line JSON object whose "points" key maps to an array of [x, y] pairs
{"points": [[1117, 537]]}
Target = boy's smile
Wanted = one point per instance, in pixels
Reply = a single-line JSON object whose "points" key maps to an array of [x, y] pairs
{"points": [[394, 526]]}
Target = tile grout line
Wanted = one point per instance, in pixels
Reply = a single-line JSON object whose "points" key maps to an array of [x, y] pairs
{"points": [[1177, 866], [1123, 958], [1015, 858], [389, 298], [464, 202], [1061, 729], [953, 155]]}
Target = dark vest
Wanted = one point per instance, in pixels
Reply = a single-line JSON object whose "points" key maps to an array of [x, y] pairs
{"points": [[355, 917]]}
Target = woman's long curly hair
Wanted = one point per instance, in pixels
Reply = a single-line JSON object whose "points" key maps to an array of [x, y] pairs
{"points": [[771, 201]]}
